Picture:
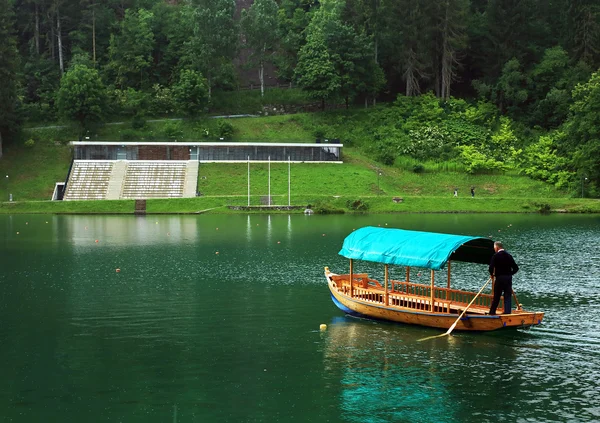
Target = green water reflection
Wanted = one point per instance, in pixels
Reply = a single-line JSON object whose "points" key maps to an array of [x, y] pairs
{"points": [[184, 334]]}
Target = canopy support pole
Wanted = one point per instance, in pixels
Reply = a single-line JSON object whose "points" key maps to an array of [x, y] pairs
{"points": [[386, 277], [407, 277], [447, 292], [432, 291], [351, 278]]}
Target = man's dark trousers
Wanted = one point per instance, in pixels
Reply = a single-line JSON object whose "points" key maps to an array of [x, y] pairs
{"points": [[502, 286]]}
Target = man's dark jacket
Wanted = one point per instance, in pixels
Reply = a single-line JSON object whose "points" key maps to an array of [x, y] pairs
{"points": [[504, 264]]}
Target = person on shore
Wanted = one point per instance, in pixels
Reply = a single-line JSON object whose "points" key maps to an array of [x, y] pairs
{"points": [[456, 192], [503, 267], [473, 192]]}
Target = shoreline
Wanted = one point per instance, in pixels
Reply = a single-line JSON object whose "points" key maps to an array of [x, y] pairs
{"points": [[320, 205]]}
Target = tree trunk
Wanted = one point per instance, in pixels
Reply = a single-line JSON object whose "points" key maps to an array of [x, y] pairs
{"points": [[447, 59], [50, 36], [37, 30], [410, 75], [261, 77], [60, 52], [323, 104]]}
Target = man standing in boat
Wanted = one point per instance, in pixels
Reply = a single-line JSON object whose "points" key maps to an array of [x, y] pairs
{"points": [[502, 266]]}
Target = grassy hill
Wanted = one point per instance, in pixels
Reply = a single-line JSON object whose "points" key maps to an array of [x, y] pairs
{"points": [[329, 187]]}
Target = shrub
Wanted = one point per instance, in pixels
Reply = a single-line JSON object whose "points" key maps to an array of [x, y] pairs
{"points": [[130, 135], [138, 122], [162, 102], [478, 162], [543, 208], [385, 152], [191, 92], [319, 132], [322, 207], [225, 129], [418, 168], [357, 205], [130, 101], [173, 130], [429, 142], [29, 143]]}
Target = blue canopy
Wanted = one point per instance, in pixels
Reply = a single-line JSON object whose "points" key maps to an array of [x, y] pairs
{"points": [[413, 248]]}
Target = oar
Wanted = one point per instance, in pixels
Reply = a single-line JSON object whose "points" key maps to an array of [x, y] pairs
{"points": [[459, 317], [519, 307]]}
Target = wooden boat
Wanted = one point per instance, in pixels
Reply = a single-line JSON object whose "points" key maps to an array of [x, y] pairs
{"points": [[421, 304]]}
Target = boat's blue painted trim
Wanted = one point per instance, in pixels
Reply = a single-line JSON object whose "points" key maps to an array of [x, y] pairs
{"points": [[346, 309]]}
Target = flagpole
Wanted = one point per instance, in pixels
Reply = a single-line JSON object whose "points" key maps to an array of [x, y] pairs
{"points": [[248, 181], [289, 182], [269, 180]]}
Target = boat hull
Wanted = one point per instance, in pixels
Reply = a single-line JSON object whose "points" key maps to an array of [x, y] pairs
{"points": [[469, 322]]}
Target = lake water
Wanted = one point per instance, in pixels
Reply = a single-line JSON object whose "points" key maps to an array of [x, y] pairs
{"points": [[183, 334]]}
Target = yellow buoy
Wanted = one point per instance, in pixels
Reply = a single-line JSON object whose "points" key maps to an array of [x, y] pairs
{"points": [[323, 326]]}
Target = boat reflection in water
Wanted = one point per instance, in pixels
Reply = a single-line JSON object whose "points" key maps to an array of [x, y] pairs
{"points": [[383, 374], [384, 378]]}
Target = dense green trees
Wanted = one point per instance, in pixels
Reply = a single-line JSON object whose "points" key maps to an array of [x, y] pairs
{"points": [[130, 50], [191, 92], [213, 43], [259, 23], [8, 68], [82, 96], [526, 57]]}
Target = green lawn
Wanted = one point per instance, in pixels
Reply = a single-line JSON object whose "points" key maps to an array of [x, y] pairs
{"points": [[33, 172], [358, 177]]}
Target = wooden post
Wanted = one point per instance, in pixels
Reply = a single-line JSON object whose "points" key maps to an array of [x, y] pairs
{"points": [[351, 279], [386, 284], [432, 290], [447, 292]]}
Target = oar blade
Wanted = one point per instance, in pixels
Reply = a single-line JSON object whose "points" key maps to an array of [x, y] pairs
{"points": [[451, 328], [432, 337]]}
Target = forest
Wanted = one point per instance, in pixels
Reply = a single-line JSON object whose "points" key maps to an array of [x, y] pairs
{"points": [[495, 83]]}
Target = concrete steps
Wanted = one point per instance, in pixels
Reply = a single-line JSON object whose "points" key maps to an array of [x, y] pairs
{"points": [[88, 180]]}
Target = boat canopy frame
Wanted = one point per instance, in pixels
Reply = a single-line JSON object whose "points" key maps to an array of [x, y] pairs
{"points": [[402, 247]]}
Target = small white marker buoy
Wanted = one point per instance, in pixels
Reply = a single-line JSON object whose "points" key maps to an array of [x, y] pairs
{"points": [[323, 326], [323, 234], [17, 233], [217, 252], [118, 270], [279, 242]]}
